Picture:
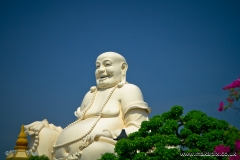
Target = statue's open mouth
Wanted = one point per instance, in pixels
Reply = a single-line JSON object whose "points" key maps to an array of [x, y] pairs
{"points": [[104, 77]]}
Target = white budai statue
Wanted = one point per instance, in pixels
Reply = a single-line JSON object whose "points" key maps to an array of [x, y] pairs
{"points": [[108, 112]]}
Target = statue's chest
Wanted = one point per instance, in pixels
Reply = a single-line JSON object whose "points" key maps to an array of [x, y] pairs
{"points": [[109, 109]]}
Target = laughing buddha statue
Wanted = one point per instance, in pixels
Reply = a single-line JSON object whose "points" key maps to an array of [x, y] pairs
{"points": [[108, 112]]}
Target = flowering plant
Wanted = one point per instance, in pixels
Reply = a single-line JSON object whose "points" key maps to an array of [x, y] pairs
{"points": [[226, 149], [221, 149], [234, 95]]}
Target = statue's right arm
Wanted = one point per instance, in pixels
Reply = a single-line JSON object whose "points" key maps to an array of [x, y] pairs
{"points": [[37, 126], [42, 136], [79, 111]]}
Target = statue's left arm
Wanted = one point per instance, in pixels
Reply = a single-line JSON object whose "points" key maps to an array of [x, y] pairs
{"points": [[134, 111]]}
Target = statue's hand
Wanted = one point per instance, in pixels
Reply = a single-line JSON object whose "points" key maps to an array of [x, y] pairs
{"points": [[35, 127], [92, 136], [77, 113]]}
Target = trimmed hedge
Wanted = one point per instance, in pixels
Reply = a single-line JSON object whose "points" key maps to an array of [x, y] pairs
{"points": [[193, 133]]}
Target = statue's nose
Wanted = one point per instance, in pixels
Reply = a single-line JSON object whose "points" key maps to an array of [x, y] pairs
{"points": [[101, 69]]}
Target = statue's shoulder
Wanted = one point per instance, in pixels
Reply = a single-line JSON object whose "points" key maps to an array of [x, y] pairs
{"points": [[90, 93], [129, 89], [130, 86], [131, 96]]}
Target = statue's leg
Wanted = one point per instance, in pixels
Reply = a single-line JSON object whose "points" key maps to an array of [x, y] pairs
{"points": [[95, 150], [47, 137]]}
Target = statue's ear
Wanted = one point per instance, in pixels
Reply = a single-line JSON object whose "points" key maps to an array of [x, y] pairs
{"points": [[124, 68]]}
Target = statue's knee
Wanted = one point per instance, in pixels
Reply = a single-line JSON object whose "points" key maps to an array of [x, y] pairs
{"points": [[45, 140], [99, 148], [48, 133]]}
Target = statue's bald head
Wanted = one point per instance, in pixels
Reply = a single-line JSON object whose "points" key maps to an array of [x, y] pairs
{"points": [[111, 69], [114, 56]]}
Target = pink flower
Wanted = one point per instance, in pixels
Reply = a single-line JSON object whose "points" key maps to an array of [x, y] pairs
{"points": [[237, 148], [234, 84], [237, 157], [237, 145], [227, 149], [221, 106], [221, 149], [235, 93]]}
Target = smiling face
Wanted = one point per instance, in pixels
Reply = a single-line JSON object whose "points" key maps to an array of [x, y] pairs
{"points": [[109, 69]]}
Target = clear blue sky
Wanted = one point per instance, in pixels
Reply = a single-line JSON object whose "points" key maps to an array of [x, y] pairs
{"points": [[179, 52]]}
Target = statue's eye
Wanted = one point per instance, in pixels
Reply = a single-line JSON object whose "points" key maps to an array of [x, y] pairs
{"points": [[108, 63]]}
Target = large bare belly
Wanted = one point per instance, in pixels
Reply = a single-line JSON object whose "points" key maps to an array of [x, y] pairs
{"points": [[80, 129]]}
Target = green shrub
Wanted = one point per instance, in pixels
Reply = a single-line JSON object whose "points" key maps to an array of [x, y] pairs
{"points": [[43, 157], [193, 133]]}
